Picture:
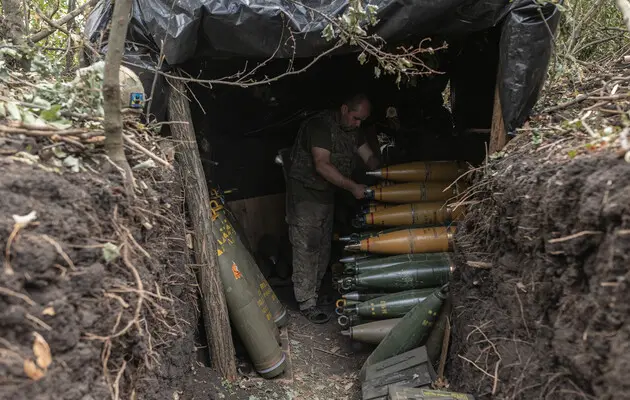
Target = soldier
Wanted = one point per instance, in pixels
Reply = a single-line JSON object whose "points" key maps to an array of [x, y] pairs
{"points": [[322, 159]]}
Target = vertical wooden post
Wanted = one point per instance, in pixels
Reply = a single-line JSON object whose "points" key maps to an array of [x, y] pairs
{"points": [[216, 318], [498, 135]]}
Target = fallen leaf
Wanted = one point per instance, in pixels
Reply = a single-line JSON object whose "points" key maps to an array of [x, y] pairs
{"points": [[335, 349], [348, 386], [42, 351], [31, 370], [24, 220], [49, 311], [521, 286]]}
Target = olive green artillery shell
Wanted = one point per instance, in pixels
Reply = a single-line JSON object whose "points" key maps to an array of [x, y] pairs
{"points": [[228, 241], [371, 332], [251, 324], [357, 296], [393, 305], [410, 332], [357, 257], [417, 275], [378, 264], [229, 253]]}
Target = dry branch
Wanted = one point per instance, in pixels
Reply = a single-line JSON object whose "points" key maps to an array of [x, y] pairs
{"points": [[56, 26], [214, 306], [61, 21]]}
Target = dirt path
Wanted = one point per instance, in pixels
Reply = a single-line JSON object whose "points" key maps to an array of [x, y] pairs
{"points": [[324, 365]]}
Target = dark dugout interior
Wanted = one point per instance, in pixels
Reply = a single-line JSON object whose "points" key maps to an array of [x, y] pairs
{"points": [[240, 130]]}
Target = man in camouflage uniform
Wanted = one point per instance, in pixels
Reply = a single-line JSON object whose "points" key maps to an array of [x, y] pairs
{"points": [[322, 159]]}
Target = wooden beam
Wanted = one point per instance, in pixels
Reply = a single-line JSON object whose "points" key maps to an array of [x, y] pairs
{"points": [[498, 135], [215, 313]]}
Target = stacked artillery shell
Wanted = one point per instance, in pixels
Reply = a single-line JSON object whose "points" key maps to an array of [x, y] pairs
{"points": [[414, 275], [393, 305], [375, 206], [356, 296], [431, 213], [412, 199], [411, 331], [413, 192], [420, 171], [355, 237], [379, 264], [408, 241], [371, 332]]}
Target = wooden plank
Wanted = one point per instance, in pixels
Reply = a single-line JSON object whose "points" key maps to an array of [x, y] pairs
{"points": [[406, 393], [259, 216], [216, 320], [498, 134]]}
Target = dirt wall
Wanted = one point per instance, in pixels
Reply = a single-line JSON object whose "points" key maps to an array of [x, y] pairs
{"points": [[116, 329], [541, 298]]}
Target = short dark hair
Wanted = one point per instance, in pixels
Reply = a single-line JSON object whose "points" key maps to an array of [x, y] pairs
{"points": [[355, 100]]}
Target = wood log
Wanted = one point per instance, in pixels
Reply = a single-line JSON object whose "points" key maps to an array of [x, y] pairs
{"points": [[498, 135], [216, 319]]}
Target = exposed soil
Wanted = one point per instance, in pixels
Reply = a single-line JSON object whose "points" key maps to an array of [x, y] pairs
{"points": [[103, 342], [542, 302]]}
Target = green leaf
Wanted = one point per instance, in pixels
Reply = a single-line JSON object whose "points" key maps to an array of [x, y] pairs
{"points": [[52, 114], [111, 252], [377, 72], [362, 58]]}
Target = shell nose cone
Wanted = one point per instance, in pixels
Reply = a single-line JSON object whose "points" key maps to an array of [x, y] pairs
{"points": [[353, 247]]}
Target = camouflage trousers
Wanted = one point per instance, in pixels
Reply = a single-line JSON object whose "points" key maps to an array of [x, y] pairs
{"points": [[310, 232]]}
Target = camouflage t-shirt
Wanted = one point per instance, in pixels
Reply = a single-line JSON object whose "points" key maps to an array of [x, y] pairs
{"points": [[318, 132]]}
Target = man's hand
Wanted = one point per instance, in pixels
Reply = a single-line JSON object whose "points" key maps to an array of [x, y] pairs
{"points": [[358, 191], [332, 175]]}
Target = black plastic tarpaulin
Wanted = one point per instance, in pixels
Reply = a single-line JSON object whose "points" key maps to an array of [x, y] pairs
{"points": [[187, 29]]}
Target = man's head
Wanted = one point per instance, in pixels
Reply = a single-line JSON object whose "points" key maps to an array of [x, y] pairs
{"points": [[354, 110]]}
